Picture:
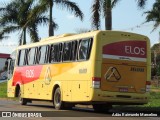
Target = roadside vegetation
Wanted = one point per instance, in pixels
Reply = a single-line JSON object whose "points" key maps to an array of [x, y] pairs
{"points": [[153, 105], [3, 90], [154, 100]]}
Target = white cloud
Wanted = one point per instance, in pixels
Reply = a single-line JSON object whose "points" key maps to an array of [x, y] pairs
{"points": [[7, 46], [70, 17]]}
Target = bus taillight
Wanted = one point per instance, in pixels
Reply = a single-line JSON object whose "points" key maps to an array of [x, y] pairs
{"points": [[148, 86], [96, 82]]}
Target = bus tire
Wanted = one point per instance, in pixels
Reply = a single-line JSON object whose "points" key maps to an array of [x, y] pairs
{"points": [[58, 103], [102, 107], [22, 101]]}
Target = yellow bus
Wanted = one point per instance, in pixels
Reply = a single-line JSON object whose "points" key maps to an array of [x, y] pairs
{"points": [[100, 68]]}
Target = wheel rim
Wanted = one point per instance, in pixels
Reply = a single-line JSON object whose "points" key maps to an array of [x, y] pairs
{"points": [[57, 99], [20, 99]]}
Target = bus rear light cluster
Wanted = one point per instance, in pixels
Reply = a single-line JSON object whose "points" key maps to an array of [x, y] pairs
{"points": [[96, 81], [148, 86]]}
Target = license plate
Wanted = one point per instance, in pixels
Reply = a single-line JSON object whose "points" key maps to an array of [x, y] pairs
{"points": [[123, 89]]}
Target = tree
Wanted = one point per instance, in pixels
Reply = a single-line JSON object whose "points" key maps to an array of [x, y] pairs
{"points": [[17, 16], [104, 7], [49, 4], [154, 15], [155, 59]]}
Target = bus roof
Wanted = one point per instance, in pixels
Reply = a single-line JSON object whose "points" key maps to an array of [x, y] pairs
{"points": [[72, 36], [58, 36]]}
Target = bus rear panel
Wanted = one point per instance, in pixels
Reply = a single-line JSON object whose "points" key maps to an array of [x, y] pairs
{"points": [[123, 60]]}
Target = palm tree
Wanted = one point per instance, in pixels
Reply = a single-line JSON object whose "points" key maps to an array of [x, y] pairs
{"points": [[16, 16], [154, 15], [104, 7], [49, 4]]}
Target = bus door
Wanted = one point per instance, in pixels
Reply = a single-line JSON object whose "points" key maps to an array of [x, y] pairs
{"points": [[9, 77], [124, 66], [10, 68]]}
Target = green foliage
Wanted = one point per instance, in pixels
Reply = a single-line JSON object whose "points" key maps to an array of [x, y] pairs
{"points": [[153, 15], [3, 90], [154, 100], [155, 47], [158, 69], [104, 7], [153, 72], [153, 105], [155, 95], [155, 57], [63, 4], [18, 15]]}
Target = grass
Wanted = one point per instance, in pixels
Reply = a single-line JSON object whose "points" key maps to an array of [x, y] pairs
{"points": [[155, 87], [154, 100], [155, 95], [153, 105], [3, 90]]}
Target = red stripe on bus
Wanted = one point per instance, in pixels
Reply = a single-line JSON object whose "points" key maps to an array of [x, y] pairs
{"points": [[127, 48], [26, 74]]}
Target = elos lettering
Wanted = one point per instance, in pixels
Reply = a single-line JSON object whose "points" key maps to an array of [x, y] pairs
{"points": [[29, 73], [134, 50]]}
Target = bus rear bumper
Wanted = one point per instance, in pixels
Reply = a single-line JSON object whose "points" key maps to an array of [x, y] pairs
{"points": [[121, 98]]}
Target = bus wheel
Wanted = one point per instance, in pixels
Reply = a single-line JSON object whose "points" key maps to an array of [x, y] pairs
{"points": [[57, 99], [22, 101], [102, 107]]}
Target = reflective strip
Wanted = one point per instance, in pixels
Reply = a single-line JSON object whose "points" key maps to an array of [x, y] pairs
{"points": [[96, 84], [148, 88], [124, 58]]}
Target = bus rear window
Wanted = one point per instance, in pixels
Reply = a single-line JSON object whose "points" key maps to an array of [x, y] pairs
{"points": [[84, 49]]}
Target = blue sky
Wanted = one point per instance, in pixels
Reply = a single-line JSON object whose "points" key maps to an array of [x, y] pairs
{"points": [[126, 17]]}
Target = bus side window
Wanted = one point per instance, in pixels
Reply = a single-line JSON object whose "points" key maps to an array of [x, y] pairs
{"points": [[42, 54], [31, 56], [21, 58], [89, 47], [74, 50], [47, 53], [84, 49], [56, 53], [53, 53], [57, 57], [67, 51], [60, 52], [26, 57]]}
